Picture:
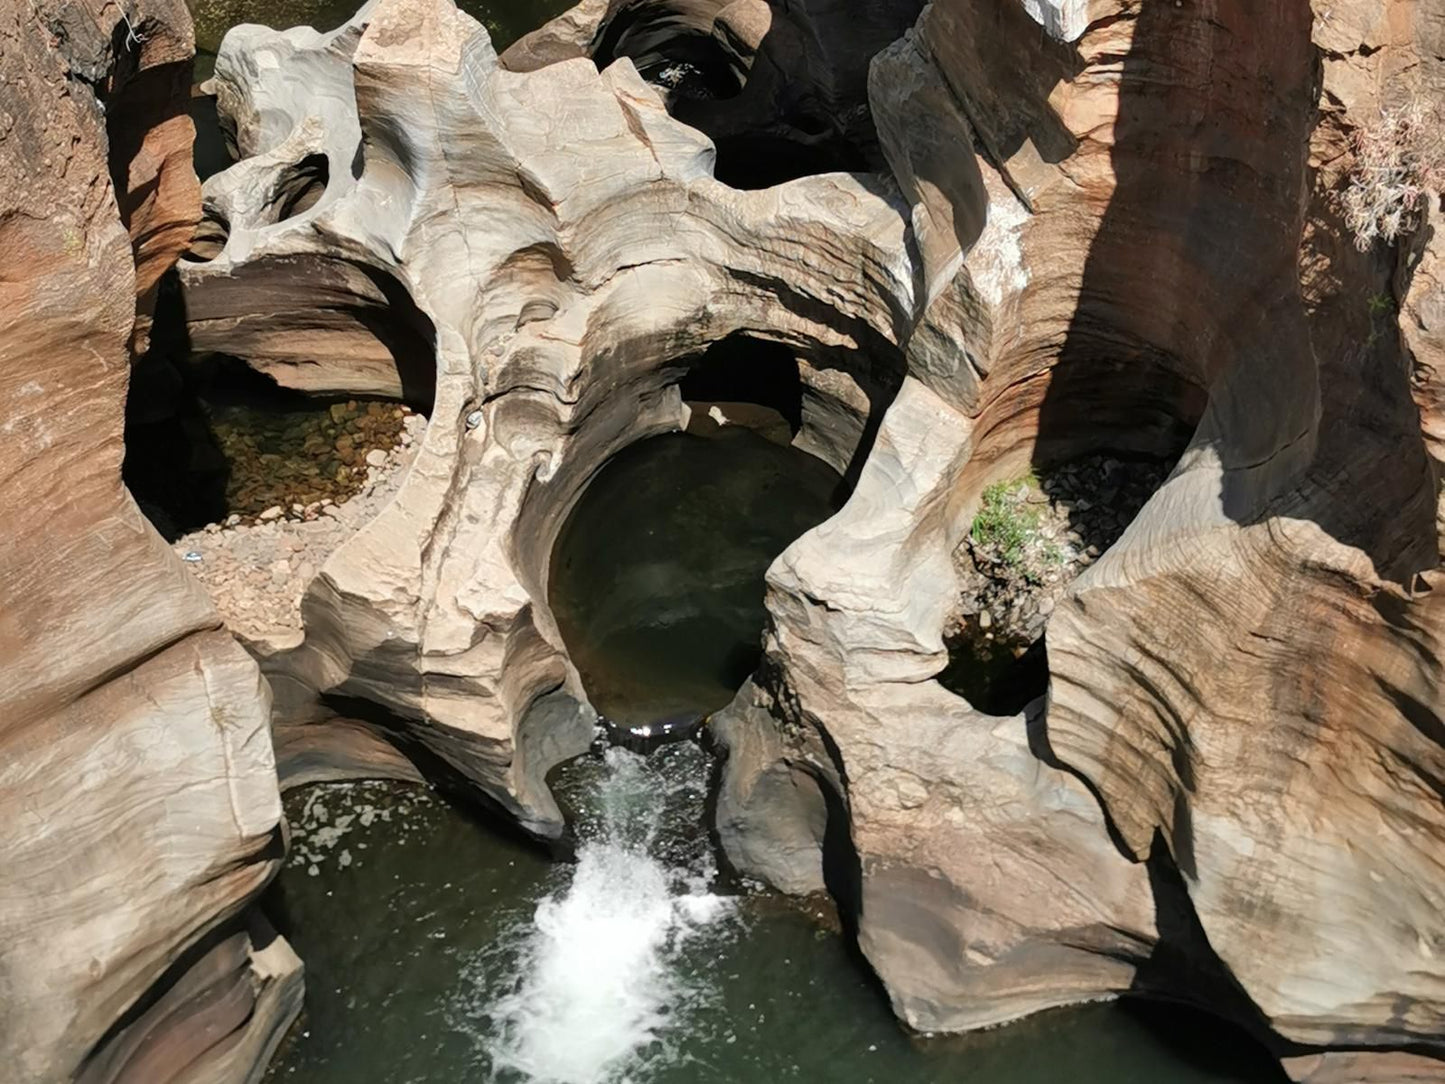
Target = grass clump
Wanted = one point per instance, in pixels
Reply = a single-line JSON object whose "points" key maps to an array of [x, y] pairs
{"points": [[1006, 520], [1398, 161]]}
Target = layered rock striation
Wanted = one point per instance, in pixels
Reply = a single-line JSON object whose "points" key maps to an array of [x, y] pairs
{"points": [[1247, 682], [141, 807], [1109, 229], [564, 243]]}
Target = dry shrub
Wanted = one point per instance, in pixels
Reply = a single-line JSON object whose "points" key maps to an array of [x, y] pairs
{"points": [[1399, 162]]}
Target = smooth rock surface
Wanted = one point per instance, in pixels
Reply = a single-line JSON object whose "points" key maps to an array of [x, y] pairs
{"points": [[1248, 680], [565, 239], [139, 790]]}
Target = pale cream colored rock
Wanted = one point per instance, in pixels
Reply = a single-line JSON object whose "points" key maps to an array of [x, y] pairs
{"points": [[564, 240]]}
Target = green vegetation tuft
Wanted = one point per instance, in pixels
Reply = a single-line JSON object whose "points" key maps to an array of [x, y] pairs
{"points": [[1005, 522], [1380, 305]]}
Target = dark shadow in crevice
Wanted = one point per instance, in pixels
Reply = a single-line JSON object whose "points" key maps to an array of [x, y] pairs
{"points": [[214, 150], [991, 676], [298, 188], [1209, 1044], [210, 236], [742, 369], [756, 160], [1184, 968], [173, 465], [408, 334], [788, 104]]}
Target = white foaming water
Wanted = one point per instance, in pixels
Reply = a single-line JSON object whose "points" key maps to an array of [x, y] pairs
{"points": [[599, 978]]}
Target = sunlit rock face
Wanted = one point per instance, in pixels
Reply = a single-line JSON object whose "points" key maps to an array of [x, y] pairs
{"points": [[1103, 229], [558, 246], [136, 776], [1247, 682]]}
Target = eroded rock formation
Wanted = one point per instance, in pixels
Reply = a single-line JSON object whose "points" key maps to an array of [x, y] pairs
{"points": [[1104, 229], [141, 809], [1248, 680], [564, 238]]}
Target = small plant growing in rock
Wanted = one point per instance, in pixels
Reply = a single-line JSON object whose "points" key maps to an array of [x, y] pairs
{"points": [[1006, 521], [1399, 161]]}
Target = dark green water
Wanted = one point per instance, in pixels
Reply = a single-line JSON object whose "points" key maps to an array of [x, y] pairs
{"points": [[657, 577], [442, 949], [408, 946]]}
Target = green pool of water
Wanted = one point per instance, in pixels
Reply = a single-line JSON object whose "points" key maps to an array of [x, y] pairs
{"points": [[657, 576], [410, 942]]}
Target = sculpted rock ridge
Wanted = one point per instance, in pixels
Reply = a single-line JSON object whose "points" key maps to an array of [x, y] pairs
{"points": [[1090, 228], [556, 245], [1248, 680]]}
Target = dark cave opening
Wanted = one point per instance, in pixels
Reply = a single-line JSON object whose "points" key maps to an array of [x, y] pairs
{"points": [[761, 100], [743, 369], [674, 49], [752, 161], [299, 188], [210, 439]]}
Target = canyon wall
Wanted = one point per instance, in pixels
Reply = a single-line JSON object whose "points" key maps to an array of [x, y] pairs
{"points": [[1248, 681], [135, 760], [1074, 229]]}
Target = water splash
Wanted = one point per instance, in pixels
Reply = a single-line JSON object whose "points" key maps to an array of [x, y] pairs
{"points": [[599, 984]]}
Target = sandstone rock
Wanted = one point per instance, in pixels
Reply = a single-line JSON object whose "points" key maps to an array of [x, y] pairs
{"points": [[553, 279], [986, 886], [1230, 792], [1246, 680], [139, 790]]}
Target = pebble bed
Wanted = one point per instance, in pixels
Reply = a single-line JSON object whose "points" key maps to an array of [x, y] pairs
{"points": [[257, 566]]}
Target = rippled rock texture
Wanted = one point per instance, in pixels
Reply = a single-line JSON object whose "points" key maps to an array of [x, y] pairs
{"points": [[1248, 681], [554, 247], [140, 801], [1103, 230]]}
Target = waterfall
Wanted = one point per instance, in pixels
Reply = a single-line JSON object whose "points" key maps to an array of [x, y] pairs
{"points": [[598, 981]]}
